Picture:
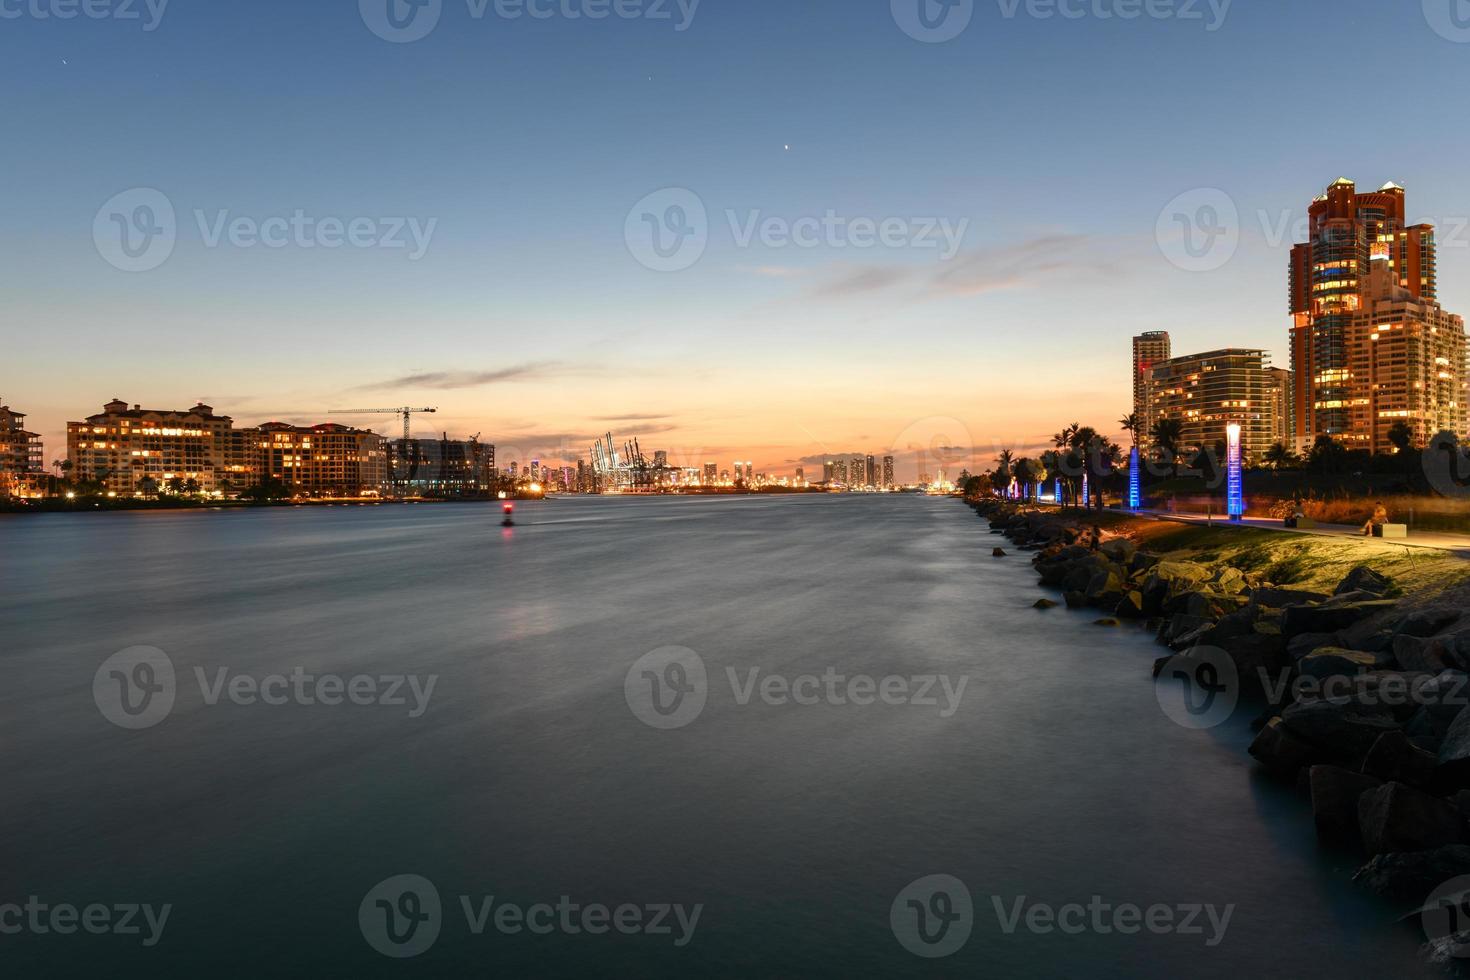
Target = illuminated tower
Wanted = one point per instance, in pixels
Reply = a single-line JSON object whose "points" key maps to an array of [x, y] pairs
{"points": [[1148, 349]]}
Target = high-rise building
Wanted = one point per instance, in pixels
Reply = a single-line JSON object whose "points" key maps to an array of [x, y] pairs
{"points": [[857, 472], [21, 453], [872, 471], [123, 447], [328, 460], [442, 467], [1370, 344], [801, 474], [888, 472], [1205, 393], [711, 474], [1281, 411], [1149, 349], [839, 472]]}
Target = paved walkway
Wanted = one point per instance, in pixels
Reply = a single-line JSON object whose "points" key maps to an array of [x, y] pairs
{"points": [[1435, 540]]}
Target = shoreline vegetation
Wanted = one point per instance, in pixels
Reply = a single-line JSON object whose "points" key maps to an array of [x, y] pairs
{"points": [[1357, 654]]}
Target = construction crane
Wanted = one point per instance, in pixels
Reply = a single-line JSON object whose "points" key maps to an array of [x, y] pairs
{"points": [[407, 413]]}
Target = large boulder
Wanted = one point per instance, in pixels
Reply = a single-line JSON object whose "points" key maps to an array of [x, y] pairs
{"points": [[1260, 658], [1330, 616], [1335, 794], [1281, 598], [1283, 752], [1427, 622], [1409, 877], [1454, 750], [1417, 653], [1394, 758], [1120, 550], [1342, 730], [1335, 661], [1230, 581], [1365, 579], [1395, 817], [1299, 646]]}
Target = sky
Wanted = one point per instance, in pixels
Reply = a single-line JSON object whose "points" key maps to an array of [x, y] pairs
{"points": [[773, 230]]}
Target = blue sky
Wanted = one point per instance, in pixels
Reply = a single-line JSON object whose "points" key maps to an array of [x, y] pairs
{"points": [[527, 142]]}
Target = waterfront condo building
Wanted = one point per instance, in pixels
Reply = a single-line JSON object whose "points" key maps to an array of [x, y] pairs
{"points": [[1370, 344], [888, 472], [1148, 349], [1207, 392], [328, 460], [21, 455], [136, 450]]}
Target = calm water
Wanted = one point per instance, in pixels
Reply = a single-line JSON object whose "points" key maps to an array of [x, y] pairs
{"points": [[530, 778]]}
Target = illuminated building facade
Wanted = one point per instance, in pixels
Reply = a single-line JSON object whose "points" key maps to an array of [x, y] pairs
{"points": [[133, 450], [1149, 349], [443, 466], [1370, 344], [888, 472], [327, 460], [1208, 392], [21, 453]]}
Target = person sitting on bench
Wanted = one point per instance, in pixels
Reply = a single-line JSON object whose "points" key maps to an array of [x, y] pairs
{"points": [[1379, 518]]}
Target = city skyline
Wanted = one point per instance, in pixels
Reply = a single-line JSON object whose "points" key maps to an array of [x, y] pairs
{"points": [[529, 316]]}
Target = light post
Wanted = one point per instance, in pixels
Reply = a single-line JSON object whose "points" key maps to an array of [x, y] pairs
{"points": [[1234, 479]]}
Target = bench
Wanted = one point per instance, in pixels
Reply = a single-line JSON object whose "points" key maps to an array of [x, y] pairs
{"points": [[1301, 523], [1390, 530]]}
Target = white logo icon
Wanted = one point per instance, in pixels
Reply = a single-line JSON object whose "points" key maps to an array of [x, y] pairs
{"points": [[136, 230], [401, 21], [933, 21], [401, 916], [668, 230], [135, 688], [667, 688], [933, 916], [1199, 231]]}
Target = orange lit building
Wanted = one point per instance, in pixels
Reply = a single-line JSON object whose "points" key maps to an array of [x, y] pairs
{"points": [[1206, 393], [1149, 348], [327, 460], [21, 456], [122, 447], [1370, 344]]}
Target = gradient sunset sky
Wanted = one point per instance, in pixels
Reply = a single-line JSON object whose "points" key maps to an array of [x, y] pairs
{"points": [[1060, 141]]}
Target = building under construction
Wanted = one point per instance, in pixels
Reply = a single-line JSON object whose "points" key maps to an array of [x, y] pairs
{"points": [[443, 467]]}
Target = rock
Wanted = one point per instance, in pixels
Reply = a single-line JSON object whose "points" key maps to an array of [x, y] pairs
{"points": [[1330, 616], [1045, 604], [1395, 817], [1105, 585], [1454, 751], [1109, 621], [1120, 550], [1427, 622], [1343, 730], [1230, 581], [1241, 623], [1335, 794], [1142, 562], [1130, 606], [1281, 598], [1412, 876], [1180, 625], [1364, 579], [1279, 750], [998, 553], [1159, 666], [1260, 658], [1416, 653], [1334, 661], [1394, 758], [1074, 600], [1300, 646]]}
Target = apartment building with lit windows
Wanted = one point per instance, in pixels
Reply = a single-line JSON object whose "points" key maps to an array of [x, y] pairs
{"points": [[21, 453], [328, 460], [1149, 349], [137, 450], [1370, 344], [1207, 392]]}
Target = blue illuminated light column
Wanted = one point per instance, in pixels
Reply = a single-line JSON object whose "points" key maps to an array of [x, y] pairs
{"points": [[1135, 482], [1086, 491], [1059, 492], [1234, 480]]}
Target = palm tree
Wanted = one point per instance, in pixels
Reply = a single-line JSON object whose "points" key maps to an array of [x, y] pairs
{"points": [[1401, 435], [1281, 457], [1004, 469], [1132, 423], [1167, 434]]}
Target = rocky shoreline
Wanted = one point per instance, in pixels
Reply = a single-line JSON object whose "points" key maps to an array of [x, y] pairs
{"points": [[1366, 692]]}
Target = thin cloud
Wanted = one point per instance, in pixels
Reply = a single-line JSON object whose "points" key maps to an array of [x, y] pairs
{"points": [[454, 380], [632, 418]]}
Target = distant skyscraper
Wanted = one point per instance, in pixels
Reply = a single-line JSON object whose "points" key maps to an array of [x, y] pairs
{"points": [[711, 474], [888, 472], [800, 474], [1370, 344], [661, 459], [857, 473], [839, 471], [1148, 349], [872, 471]]}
